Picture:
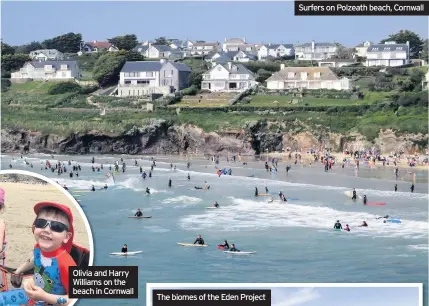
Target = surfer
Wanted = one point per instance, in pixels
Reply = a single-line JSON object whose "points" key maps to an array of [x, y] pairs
{"points": [[233, 248], [385, 217], [206, 186], [124, 249], [147, 190], [347, 229], [138, 213], [199, 240], [364, 224], [364, 199], [338, 225], [225, 245], [92, 188], [412, 188], [396, 187], [354, 194], [216, 204], [256, 191], [105, 186], [189, 177], [266, 189], [65, 187], [169, 182]]}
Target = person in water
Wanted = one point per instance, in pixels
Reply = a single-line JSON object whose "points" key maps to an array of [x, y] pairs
{"points": [[92, 188], [338, 225], [124, 249], [147, 190], [396, 187], [65, 187], [105, 186], [189, 177], [169, 182], [365, 200], [216, 204], [256, 191], [206, 186], [364, 224], [225, 245], [233, 248], [347, 229], [266, 189], [354, 194], [138, 213], [385, 217], [412, 188], [199, 240]]}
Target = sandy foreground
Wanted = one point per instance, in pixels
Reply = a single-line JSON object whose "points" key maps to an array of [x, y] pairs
{"points": [[19, 216]]}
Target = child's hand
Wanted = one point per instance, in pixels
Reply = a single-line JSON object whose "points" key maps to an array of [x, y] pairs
{"points": [[34, 292]]}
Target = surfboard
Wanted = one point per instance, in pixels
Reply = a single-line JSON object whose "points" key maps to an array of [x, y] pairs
{"points": [[76, 195], [292, 199], [192, 245], [376, 203], [81, 190], [211, 207], [393, 221], [350, 194], [239, 253], [125, 254], [264, 195], [142, 217]]}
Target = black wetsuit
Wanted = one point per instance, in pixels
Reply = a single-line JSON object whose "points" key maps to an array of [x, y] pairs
{"points": [[225, 245], [234, 250], [354, 195], [338, 225], [216, 205], [189, 177], [139, 214], [124, 250], [169, 183], [105, 187], [256, 192], [199, 241], [412, 188], [385, 217], [65, 188], [147, 191], [364, 200], [92, 189], [196, 187], [396, 187]]}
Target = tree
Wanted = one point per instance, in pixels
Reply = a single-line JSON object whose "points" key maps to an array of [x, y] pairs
{"points": [[161, 41], [126, 42], [344, 53], [108, 66], [13, 62], [416, 43], [6, 49], [67, 43], [425, 51], [27, 48]]}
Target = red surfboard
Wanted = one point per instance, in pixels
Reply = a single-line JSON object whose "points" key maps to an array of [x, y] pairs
{"points": [[375, 203]]}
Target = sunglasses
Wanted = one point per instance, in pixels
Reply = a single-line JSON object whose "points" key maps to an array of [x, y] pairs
{"points": [[55, 226]]}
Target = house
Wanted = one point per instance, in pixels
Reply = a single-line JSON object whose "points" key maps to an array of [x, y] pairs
{"points": [[157, 51], [97, 46], [362, 47], [176, 44], [275, 51], [204, 48], [233, 44], [242, 56], [47, 71], [389, 54], [228, 77], [315, 51], [336, 62], [146, 77], [306, 77], [46, 54]]}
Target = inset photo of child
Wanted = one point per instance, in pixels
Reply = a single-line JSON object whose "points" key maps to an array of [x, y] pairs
{"points": [[43, 231]]}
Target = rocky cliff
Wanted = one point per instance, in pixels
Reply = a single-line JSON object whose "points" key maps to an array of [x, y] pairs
{"points": [[162, 137]]}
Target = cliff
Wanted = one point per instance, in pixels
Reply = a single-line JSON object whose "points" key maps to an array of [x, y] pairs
{"points": [[163, 137]]}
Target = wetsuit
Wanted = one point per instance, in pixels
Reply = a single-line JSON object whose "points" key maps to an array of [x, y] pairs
{"points": [[396, 187], [189, 177], [92, 189], [225, 245], [347, 229], [266, 189], [196, 187], [216, 205], [364, 224], [65, 188], [147, 191], [354, 195], [169, 183], [234, 250], [256, 192], [338, 225], [139, 214], [124, 250], [364, 199], [105, 187], [199, 241], [412, 188], [385, 217]]}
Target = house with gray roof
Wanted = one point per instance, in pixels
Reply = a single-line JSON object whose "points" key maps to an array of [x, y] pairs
{"points": [[143, 78], [315, 51], [275, 51], [46, 54], [204, 48], [362, 47], [389, 54], [47, 71], [228, 77]]}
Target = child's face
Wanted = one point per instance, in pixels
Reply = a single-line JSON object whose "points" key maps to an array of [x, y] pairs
{"points": [[48, 239]]}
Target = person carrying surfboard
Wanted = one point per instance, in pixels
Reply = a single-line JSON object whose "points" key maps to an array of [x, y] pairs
{"points": [[138, 213], [338, 225], [147, 190], [233, 248], [92, 188], [124, 249], [199, 240], [354, 194], [216, 204]]}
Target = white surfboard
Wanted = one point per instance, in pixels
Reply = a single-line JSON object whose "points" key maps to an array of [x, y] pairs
{"points": [[81, 190], [350, 194], [192, 245], [212, 207], [239, 253], [126, 254]]}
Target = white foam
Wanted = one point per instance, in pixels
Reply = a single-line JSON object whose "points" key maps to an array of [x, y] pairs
{"points": [[156, 229], [250, 214], [182, 199], [419, 247]]}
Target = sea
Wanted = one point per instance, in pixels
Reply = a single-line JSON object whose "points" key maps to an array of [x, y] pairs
{"points": [[294, 241]]}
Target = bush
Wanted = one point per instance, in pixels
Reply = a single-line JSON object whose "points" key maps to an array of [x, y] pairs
{"points": [[85, 90], [62, 88], [190, 91]]}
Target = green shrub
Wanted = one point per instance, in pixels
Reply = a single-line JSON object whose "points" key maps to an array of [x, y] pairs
{"points": [[85, 90], [62, 88], [190, 91]]}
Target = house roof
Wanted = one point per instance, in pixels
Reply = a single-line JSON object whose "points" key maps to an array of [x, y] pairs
{"points": [[46, 51], [275, 46], [141, 47], [139, 66], [162, 48], [206, 44], [235, 41], [316, 44], [240, 68], [55, 64], [338, 60], [99, 44], [388, 47], [326, 74], [362, 44]]}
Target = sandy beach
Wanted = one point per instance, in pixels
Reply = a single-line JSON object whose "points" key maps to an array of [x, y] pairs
{"points": [[19, 216]]}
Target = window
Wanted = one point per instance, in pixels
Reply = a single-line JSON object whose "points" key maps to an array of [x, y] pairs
{"points": [[219, 68], [142, 81], [126, 74], [304, 75], [168, 73], [149, 74], [127, 82], [317, 75], [291, 75], [64, 67], [243, 76]]}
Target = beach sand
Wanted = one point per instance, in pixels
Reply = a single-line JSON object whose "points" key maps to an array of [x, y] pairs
{"points": [[19, 216]]}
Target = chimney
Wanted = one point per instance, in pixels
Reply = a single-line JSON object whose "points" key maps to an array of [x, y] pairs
{"points": [[94, 41], [149, 45], [229, 65], [244, 39], [282, 66], [225, 39], [312, 46]]}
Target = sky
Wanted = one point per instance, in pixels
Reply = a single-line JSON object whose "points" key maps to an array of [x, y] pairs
{"points": [[258, 22], [345, 296]]}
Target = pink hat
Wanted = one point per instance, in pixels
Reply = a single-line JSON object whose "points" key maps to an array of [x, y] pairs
{"points": [[2, 196]]}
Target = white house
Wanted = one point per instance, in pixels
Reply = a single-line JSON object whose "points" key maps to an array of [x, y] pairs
{"points": [[146, 77], [232, 44], [242, 56], [315, 51], [228, 77], [46, 54], [362, 47], [47, 71], [336, 62], [97, 46], [204, 48], [275, 51], [389, 54], [306, 77]]}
